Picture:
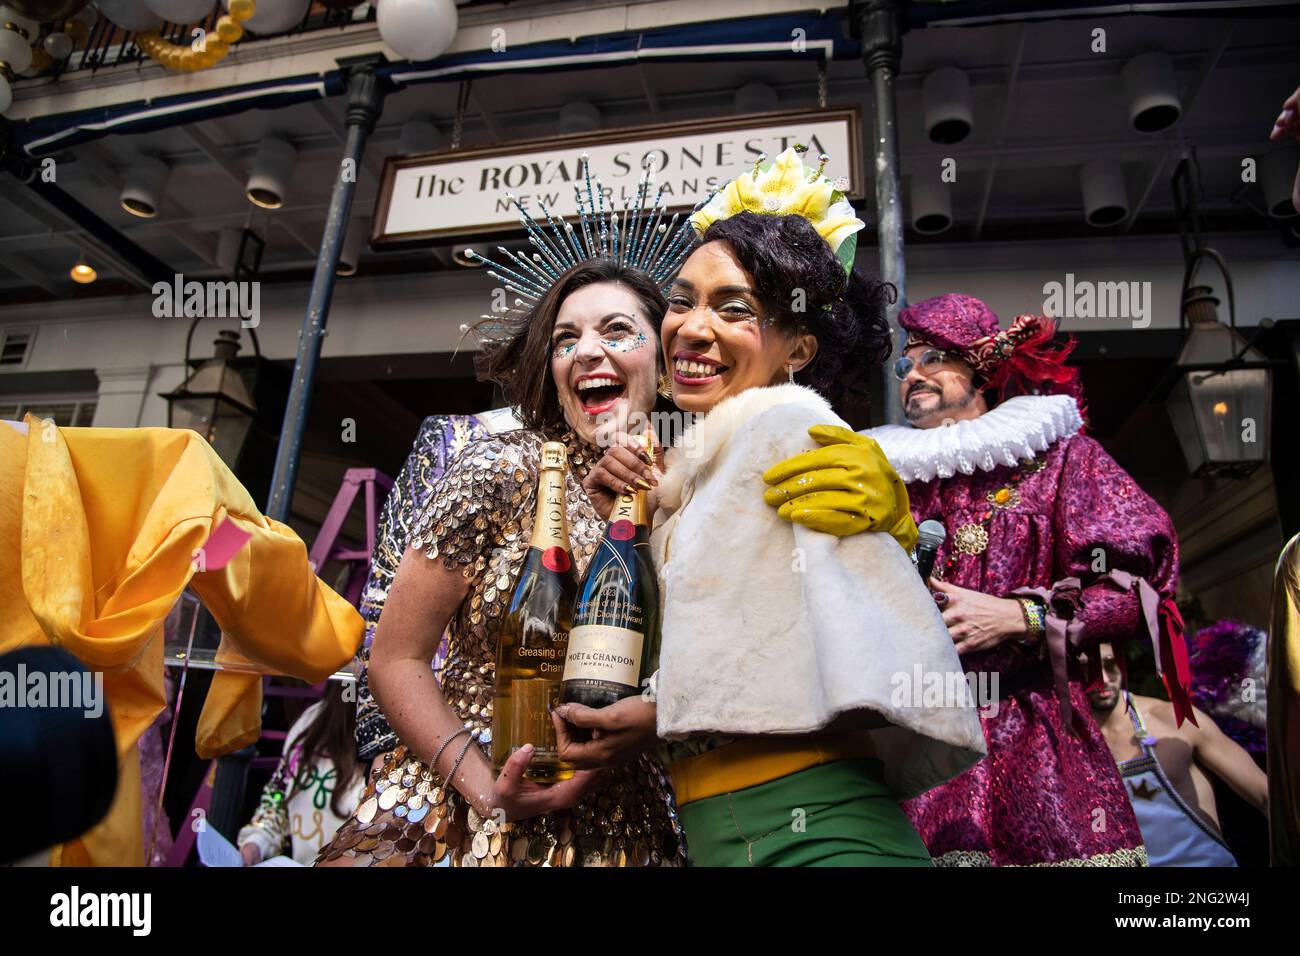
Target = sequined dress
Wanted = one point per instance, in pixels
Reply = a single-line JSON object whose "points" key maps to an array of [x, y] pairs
{"points": [[1044, 796], [479, 519], [440, 439]]}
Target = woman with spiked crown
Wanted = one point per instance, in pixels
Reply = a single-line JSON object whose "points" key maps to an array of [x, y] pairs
{"points": [[774, 698], [578, 351]]}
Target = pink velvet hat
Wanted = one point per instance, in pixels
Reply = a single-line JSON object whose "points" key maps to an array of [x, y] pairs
{"points": [[1015, 361]]}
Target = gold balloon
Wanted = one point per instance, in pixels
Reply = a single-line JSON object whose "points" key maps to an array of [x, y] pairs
{"points": [[201, 61], [215, 49], [228, 29]]}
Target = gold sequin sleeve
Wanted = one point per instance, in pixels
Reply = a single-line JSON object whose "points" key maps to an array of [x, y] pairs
{"points": [[481, 491]]}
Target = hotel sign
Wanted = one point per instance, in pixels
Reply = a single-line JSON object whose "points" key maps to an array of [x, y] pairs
{"points": [[462, 193]]}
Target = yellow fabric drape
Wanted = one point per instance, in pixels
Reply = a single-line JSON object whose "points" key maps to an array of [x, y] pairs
{"points": [[1283, 732], [232, 711], [98, 532]]}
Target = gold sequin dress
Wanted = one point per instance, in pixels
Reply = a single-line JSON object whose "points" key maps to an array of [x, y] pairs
{"points": [[479, 519]]}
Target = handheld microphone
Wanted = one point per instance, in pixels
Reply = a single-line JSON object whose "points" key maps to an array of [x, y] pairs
{"points": [[929, 536]]}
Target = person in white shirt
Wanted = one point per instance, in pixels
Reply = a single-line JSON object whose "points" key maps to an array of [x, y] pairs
{"points": [[315, 787]]}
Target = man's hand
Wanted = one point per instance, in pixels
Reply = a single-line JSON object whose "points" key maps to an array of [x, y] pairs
{"points": [[589, 737], [251, 854], [976, 621], [845, 487]]}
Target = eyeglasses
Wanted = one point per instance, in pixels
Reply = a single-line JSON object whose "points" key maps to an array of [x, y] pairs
{"points": [[928, 362]]}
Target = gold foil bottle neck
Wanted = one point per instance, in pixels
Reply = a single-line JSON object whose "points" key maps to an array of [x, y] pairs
{"points": [[554, 455], [551, 521], [630, 506]]}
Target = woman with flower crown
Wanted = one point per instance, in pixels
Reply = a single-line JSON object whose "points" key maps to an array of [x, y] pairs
{"points": [[776, 695], [582, 350]]}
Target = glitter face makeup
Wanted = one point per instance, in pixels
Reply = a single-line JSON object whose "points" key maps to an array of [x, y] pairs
{"points": [[625, 343]]}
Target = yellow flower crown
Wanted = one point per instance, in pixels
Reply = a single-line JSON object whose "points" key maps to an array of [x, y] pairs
{"points": [[788, 188]]}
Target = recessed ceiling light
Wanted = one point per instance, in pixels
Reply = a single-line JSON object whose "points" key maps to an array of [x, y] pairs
{"points": [[83, 272]]}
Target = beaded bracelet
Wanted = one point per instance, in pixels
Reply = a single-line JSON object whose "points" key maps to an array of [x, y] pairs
{"points": [[451, 777], [1034, 619], [433, 764]]}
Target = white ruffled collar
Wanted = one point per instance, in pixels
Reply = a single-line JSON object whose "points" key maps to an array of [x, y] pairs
{"points": [[1019, 428]]}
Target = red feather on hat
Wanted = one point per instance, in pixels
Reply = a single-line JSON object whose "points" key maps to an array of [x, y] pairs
{"points": [[1037, 365]]}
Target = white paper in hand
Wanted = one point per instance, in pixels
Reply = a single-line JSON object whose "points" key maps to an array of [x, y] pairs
{"points": [[216, 850]]}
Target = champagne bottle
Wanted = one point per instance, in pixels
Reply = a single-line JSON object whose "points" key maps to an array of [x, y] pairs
{"points": [[535, 632], [615, 635]]}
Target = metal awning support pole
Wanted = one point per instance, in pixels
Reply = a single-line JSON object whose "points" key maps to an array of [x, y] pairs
{"points": [[365, 103], [880, 27]]}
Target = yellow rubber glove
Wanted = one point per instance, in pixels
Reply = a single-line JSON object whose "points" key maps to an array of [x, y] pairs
{"points": [[845, 487]]}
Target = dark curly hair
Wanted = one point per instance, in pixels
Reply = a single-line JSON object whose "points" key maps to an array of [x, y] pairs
{"points": [[846, 314]]}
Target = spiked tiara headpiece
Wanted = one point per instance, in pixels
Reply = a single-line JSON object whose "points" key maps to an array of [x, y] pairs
{"points": [[636, 236]]}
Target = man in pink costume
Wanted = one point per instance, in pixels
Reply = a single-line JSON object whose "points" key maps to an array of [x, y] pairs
{"points": [[1050, 546]]}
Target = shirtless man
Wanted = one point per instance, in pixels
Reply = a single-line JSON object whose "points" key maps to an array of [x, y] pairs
{"points": [[1166, 771]]}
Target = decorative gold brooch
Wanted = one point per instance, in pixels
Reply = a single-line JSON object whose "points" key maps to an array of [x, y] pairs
{"points": [[1004, 497], [970, 539]]}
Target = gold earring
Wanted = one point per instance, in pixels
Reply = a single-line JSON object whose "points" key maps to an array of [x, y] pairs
{"points": [[665, 386]]}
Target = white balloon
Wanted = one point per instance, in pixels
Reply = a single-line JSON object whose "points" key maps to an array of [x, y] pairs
{"points": [[181, 11], [275, 16], [418, 29], [10, 15], [130, 14], [14, 50], [58, 45], [6, 94]]}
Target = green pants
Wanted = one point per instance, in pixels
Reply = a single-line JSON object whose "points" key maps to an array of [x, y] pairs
{"points": [[834, 814]]}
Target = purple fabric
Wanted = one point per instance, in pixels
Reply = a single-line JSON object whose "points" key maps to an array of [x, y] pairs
{"points": [[951, 322], [1045, 794], [1221, 659], [152, 754]]}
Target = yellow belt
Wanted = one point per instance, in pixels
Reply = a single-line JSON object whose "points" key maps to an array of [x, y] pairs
{"points": [[747, 763]]}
